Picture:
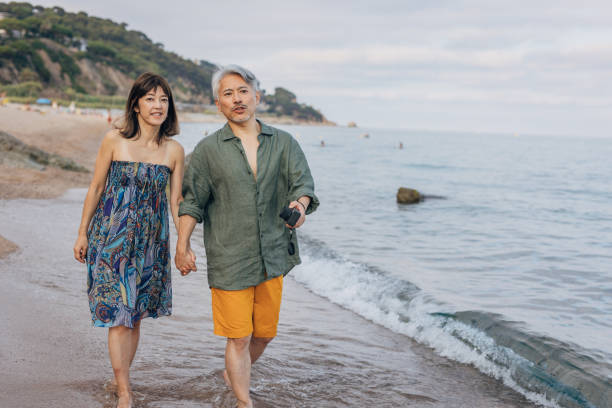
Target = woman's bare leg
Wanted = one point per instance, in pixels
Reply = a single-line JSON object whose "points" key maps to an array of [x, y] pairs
{"points": [[135, 338], [121, 352], [134, 341]]}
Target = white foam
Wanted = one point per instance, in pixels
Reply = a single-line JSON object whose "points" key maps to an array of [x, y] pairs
{"points": [[375, 297]]}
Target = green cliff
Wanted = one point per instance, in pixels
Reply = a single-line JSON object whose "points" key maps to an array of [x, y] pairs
{"points": [[48, 52]]}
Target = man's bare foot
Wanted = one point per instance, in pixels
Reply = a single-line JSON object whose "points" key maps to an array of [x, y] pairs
{"points": [[125, 401], [226, 379]]}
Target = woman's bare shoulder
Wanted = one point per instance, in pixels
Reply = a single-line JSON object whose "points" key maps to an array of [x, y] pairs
{"points": [[175, 148], [113, 136], [111, 140]]}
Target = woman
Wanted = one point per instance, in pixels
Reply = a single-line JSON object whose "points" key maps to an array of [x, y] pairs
{"points": [[123, 235]]}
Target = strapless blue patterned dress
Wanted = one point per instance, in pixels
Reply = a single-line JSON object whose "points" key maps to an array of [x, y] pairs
{"points": [[128, 259]]}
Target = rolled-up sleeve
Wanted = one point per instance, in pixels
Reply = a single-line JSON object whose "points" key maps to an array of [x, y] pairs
{"points": [[196, 187], [301, 182]]}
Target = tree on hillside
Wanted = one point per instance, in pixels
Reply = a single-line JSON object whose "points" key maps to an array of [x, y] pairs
{"points": [[30, 32]]}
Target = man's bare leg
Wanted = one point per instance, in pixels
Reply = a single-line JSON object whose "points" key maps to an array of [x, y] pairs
{"points": [[238, 367], [256, 349]]}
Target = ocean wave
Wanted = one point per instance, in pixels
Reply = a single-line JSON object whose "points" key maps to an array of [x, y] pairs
{"points": [[546, 371]]}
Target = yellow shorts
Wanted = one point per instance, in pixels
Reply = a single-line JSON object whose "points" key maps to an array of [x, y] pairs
{"points": [[238, 313]]}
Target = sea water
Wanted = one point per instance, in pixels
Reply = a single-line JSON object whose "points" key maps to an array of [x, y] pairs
{"points": [[505, 265]]}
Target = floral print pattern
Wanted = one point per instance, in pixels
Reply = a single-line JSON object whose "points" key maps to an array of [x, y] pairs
{"points": [[128, 259]]}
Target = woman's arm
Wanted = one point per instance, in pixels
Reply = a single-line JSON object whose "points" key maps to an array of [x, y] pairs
{"points": [[176, 181], [96, 187]]}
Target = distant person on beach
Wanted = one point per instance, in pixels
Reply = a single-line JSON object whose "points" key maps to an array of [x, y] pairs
{"points": [[123, 236], [237, 182]]}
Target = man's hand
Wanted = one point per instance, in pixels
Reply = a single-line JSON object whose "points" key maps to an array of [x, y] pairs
{"points": [[302, 209], [185, 261]]}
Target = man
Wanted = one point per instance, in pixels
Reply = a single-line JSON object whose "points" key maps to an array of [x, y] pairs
{"points": [[237, 182]]}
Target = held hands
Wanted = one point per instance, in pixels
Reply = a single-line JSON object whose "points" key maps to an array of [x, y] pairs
{"points": [[185, 261], [80, 248], [300, 207]]}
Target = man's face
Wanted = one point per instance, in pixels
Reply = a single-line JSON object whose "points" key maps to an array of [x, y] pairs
{"points": [[237, 99]]}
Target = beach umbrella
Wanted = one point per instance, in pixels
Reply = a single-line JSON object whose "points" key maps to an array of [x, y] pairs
{"points": [[43, 101]]}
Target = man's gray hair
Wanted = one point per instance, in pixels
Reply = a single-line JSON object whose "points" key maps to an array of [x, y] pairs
{"points": [[247, 75]]}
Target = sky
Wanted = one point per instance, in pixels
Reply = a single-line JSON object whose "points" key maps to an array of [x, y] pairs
{"points": [[518, 67]]}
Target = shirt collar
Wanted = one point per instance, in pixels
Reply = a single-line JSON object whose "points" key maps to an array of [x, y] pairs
{"points": [[227, 134]]}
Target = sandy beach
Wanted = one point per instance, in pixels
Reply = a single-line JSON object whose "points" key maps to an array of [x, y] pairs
{"points": [[73, 136], [324, 355]]}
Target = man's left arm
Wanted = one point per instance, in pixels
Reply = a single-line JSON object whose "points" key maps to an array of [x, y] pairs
{"points": [[301, 183]]}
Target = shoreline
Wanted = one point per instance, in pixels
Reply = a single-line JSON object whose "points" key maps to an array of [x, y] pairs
{"points": [[197, 117], [324, 355], [72, 136]]}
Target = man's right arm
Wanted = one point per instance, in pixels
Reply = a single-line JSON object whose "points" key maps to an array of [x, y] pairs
{"points": [[196, 191], [185, 258]]}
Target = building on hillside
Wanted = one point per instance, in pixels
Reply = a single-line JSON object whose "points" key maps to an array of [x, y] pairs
{"points": [[79, 44]]}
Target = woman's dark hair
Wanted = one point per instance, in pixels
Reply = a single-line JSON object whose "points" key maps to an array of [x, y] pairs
{"points": [[143, 84]]}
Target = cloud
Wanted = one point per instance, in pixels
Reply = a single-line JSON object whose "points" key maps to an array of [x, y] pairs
{"points": [[384, 55], [547, 61]]}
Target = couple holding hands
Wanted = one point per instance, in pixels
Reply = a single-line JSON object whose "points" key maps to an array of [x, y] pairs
{"points": [[238, 180]]}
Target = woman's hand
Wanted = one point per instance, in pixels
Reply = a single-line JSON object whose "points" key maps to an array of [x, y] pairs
{"points": [[80, 248]]}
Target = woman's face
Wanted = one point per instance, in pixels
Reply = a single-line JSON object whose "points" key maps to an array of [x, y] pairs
{"points": [[153, 107]]}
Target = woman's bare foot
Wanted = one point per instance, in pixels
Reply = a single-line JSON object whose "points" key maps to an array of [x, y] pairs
{"points": [[125, 401]]}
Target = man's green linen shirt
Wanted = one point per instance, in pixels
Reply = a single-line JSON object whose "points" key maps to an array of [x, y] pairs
{"points": [[246, 241]]}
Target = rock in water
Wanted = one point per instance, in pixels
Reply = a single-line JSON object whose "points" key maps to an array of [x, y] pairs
{"points": [[408, 196]]}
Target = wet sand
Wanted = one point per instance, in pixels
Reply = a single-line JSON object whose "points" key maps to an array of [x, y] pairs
{"points": [[324, 356]]}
